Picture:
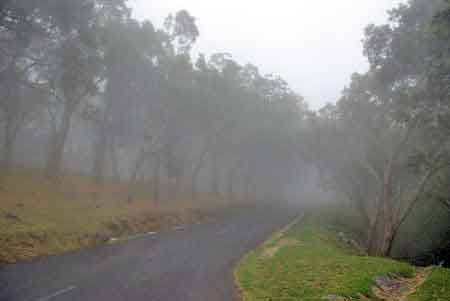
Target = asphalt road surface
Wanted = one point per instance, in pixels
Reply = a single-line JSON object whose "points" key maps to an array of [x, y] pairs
{"points": [[192, 263]]}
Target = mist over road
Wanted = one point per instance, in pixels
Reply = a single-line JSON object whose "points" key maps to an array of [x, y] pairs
{"points": [[190, 263]]}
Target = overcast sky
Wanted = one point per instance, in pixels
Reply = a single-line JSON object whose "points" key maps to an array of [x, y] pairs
{"points": [[314, 44]]}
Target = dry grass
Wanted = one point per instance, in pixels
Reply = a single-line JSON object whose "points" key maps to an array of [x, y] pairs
{"points": [[435, 288], [400, 288], [41, 217], [271, 251]]}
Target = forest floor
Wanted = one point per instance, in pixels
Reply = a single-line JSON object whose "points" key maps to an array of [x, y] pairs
{"points": [[312, 261], [41, 217]]}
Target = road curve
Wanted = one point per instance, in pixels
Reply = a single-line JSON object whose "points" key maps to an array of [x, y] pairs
{"points": [[193, 263]]}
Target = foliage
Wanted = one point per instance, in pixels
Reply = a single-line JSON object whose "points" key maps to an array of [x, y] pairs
{"points": [[388, 134], [84, 87], [137, 90]]}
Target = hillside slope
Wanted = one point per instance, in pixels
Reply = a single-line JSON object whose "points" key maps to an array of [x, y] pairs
{"points": [[41, 217]]}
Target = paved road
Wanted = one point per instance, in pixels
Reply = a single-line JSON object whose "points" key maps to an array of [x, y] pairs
{"points": [[190, 264]]}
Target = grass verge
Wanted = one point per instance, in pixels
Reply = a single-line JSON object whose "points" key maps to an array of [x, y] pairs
{"points": [[40, 217], [436, 288], [310, 262]]}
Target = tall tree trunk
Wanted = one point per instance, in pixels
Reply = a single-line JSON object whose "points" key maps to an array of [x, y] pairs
{"points": [[247, 185], [210, 140], [362, 211], [58, 142], [371, 224], [248, 178], [372, 238], [214, 176], [104, 137], [194, 177], [156, 169], [179, 185], [100, 157], [195, 174], [372, 232], [409, 209], [388, 214], [139, 161], [230, 178], [12, 117], [9, 141], [113, 156]]}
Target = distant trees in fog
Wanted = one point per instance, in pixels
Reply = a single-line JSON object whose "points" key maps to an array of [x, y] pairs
{"points": [[88, 83]]}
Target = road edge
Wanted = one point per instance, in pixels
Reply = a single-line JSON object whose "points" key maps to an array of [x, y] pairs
{"points": [[272, 237]]}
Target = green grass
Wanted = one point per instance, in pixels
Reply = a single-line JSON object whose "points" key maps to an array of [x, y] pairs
{"points": [[320, 265], [436, 288]]}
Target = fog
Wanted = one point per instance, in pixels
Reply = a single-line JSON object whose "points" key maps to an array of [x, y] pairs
{"points": [[314, 45], [237, 101]]}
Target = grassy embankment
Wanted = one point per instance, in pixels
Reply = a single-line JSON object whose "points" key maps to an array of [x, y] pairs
{"points": [[40, 217], [437, 286], [310, 261]]}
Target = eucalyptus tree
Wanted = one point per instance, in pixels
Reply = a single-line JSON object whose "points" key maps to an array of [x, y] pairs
{"points": [[175, 100], [148, 87], [18, 27], [72, 66], [399, 57], [128, 52], [392, 120], [143, 95]]}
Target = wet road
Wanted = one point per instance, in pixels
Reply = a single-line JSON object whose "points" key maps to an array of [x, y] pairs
{"points": [[193, 263]]}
